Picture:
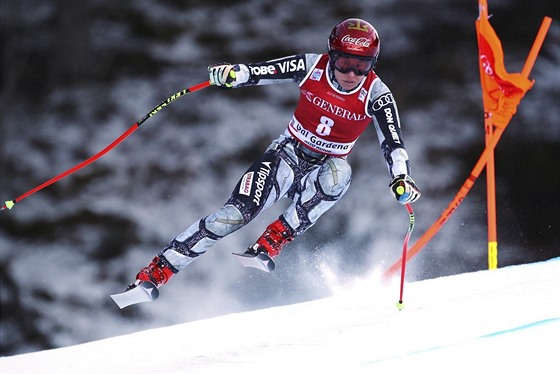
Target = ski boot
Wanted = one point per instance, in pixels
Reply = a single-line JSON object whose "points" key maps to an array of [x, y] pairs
{"points": [[276, 235], [268, 245], [145, 288], [157, 272]]}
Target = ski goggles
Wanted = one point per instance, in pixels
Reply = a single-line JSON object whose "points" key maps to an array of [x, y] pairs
{"points": [[346, 63]]}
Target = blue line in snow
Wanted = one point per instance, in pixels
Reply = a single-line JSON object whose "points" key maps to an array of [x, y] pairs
{"points": [[534, 324], [518, 328]]}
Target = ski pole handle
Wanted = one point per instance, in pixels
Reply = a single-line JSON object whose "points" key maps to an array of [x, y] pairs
{"points": [[399, 188]]}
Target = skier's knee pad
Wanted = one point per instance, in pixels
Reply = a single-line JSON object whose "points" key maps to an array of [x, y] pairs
{"points": [[224, 221], [335, 176]]}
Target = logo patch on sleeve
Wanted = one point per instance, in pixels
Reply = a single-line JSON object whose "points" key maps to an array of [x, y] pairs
{"points": [[317, 74], [246, 183]]}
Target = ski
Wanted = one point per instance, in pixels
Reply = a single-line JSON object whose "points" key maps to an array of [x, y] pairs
{"points": [[260, 261], [140, 293]]}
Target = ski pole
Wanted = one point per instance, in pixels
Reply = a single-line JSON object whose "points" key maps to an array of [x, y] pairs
{"points": [[10, 203], [400, 305]]}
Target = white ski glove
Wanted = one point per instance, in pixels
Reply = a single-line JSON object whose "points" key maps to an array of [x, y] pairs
{"points": [[404, 189], [223, 74]]}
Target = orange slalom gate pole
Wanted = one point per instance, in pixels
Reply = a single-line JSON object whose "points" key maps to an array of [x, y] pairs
{"points": [[469, 182], [446, 214], [490, 171], [491, 199]]}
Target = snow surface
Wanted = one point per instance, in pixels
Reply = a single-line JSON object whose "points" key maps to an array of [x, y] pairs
{"points": [[122, 58], [499, 321]]}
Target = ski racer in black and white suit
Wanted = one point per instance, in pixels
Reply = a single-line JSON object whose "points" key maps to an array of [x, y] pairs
{"points": [[340, 96]]}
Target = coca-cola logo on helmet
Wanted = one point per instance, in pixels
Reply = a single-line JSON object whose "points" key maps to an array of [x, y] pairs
{"points": [[359, 42]]}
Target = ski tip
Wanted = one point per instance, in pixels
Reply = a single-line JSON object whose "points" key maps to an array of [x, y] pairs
{"points": [[261, 261], [143, 292]]}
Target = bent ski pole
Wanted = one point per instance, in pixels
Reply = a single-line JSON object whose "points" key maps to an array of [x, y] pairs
{"points": [[10, 203], [405, 249]]}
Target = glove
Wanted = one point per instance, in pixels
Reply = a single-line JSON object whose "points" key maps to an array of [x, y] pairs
{"points": [[222, 74], [404, 189]]}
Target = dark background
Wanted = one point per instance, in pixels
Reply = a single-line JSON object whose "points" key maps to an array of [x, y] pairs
{"points": [[76, 75]]}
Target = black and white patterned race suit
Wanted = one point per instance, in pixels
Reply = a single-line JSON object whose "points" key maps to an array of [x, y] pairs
{"points": [[313, 181], [290, 168]]}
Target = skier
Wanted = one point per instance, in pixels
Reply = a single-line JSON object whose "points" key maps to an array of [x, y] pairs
{"points": [[340, 95]]}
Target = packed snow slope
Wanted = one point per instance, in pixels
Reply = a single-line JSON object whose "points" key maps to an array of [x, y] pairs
{"points": [[499, 321], [74, 78]]}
